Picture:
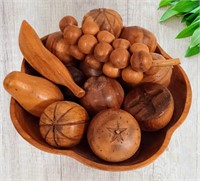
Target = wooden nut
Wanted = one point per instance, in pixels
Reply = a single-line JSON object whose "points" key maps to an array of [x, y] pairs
{"points": [[151, 104], [105, 36], [90, 27], [67, 20], [71, 34], [87, 43], [139, 47], [120, 58], [102, 51], [121, 43], [114, 135], [132, 77], [111, 71], [141, 61], [63, 124]]}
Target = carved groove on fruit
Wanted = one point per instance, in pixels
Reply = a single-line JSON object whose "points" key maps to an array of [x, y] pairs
{"points": [[107, 19]]}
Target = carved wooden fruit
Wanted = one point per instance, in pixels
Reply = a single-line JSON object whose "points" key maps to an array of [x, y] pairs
{"points": [[159, 75], [153, 145], [62, 124], [151, 104], [136, 34], [106, 19], [33, 93], [59, 47], [102, 93], [44, 61], [114, 135]]}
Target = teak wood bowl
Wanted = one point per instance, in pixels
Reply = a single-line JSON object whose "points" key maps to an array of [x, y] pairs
{"points": [[152, 144]]}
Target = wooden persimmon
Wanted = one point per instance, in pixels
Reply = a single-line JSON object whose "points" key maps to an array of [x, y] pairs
{"points": [[114, 135]]}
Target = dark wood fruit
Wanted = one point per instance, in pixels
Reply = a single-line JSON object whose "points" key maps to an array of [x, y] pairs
{"points": [[102, 93], [151, 104]]}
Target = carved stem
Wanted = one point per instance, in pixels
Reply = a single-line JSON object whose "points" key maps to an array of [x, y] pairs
{"points": [[168, 62]]}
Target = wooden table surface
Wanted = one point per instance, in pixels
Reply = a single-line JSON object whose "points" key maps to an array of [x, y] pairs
{"points": [[21, 161]]}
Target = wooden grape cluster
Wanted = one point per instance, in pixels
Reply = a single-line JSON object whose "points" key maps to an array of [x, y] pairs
{"points": [[107, 48]]}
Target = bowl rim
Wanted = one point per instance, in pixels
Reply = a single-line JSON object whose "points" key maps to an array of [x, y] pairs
{"points": [[102, 166]]}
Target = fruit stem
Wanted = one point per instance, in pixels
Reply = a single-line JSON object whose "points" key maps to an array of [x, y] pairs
{"points": [[168, 62]]}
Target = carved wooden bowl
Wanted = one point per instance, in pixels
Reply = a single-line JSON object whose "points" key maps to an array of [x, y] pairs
{"points": [[152, 144]]}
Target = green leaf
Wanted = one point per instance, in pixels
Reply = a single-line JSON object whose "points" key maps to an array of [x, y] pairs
{"points": [[164, 3], [196, 19], [197, 9], [167, 3], [192, 51], [189, 30], [168, 14], [185, 6], [195, 39], [185, 17], [189, 11], [191, 17]]}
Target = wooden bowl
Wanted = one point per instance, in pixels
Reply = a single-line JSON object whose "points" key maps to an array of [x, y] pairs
{"points": [[152, 144]]}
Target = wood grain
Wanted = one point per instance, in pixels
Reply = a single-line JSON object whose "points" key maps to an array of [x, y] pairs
{"points": [[21, 161]]}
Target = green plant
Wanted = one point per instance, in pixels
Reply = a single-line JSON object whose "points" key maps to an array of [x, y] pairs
{"points": [[189, 11]]}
